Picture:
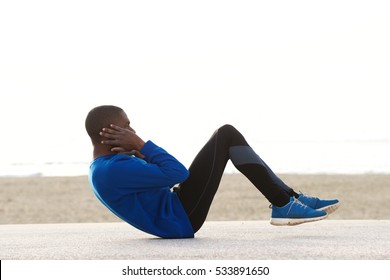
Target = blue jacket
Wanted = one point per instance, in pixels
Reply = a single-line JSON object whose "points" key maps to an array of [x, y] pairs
{"points": [[139, 190]]}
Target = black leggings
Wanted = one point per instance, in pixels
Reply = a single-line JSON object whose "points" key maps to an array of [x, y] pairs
{"points": [[197, 192]]}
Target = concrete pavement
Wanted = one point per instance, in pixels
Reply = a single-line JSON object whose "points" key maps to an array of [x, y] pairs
{"points": [[249, 240]]}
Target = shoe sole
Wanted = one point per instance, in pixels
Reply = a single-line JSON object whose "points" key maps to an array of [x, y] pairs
{"points": [[294, 222], [330, 208]]}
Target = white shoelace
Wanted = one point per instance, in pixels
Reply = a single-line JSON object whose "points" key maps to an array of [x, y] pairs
{"points": [[296, 201], [305, 195]]}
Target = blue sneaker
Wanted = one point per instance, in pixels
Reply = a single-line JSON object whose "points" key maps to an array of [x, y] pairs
{"points": [[295, 213], [329, 206]]}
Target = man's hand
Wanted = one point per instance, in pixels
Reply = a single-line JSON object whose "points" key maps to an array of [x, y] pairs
{"points": [[123, 140]]}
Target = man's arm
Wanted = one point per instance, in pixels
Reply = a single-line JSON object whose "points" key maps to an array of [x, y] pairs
{"points": [[159, 168]]}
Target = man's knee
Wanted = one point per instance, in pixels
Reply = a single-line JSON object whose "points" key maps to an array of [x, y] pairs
{"points": [[227, 128], [231, 135]]}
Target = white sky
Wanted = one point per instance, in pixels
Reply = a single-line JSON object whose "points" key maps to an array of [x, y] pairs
{"points": [[277, 70]]}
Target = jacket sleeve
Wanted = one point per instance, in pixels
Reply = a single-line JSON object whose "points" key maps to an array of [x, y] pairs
{"points": [[159, 169]]}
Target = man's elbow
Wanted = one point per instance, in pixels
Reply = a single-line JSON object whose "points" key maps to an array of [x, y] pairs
{"points": [[183, 175]]}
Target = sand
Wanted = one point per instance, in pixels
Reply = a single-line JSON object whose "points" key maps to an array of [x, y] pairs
{"points": [[26, 200]]}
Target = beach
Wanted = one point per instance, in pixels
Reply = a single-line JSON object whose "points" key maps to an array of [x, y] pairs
{"points": [[31, 200]]}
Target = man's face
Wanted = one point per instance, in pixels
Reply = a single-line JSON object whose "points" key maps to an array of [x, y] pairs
{"points": [[124, 122]]}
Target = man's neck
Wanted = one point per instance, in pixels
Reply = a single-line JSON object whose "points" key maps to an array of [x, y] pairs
{"points": [[100, 150]]}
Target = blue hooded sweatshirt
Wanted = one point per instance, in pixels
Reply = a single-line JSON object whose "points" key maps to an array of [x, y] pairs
{"points": [[139, 190]]}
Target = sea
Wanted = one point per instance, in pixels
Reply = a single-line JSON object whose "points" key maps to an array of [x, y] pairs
{"points": [[299, 157]]}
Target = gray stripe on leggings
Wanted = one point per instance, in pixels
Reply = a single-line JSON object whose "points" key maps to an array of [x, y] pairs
{"points": [[240, 155]]}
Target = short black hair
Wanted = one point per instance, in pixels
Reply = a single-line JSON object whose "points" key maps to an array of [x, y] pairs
{"points": [[99, 117]]}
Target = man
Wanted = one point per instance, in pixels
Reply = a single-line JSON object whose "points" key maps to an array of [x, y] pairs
{"points": [[148, 188]]}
